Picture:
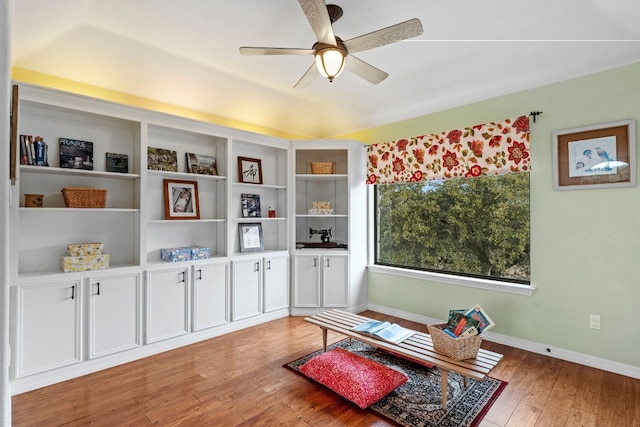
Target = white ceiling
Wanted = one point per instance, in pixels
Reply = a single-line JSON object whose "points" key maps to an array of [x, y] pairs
{"points": [[185, 52]]}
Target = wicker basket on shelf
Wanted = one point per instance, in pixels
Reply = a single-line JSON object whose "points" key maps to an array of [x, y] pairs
{"points": [[85, 197], [456, 348], [322, 168]]}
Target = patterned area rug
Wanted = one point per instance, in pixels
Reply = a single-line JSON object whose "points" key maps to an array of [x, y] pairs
{"points": [[417, 402]]}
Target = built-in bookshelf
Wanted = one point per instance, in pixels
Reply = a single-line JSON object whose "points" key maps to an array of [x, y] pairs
{"points": [[141, 305]]}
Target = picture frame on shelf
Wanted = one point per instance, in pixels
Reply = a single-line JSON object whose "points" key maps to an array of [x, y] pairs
{"points": [[76, 154], [116, 162], [249, 170], [181, 199], [200, 164], [250, 205], [597, 156], [162, 159], [251, 239]]}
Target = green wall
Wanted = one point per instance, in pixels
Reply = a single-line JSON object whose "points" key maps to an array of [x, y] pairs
{"points": [[585, 244]]}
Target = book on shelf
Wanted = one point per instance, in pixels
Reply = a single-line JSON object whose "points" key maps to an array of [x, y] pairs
{"points": [[117, 163], [201, 164], [76, 154], [391, 332], [33, 151], [24, 153], [41, 152], [250, 205], [161, 159]]}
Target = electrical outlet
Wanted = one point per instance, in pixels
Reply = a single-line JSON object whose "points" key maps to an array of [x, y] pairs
{"points": [[594, 321]]}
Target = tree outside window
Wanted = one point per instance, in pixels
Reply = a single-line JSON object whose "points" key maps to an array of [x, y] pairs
{"points": [[475, 227]]}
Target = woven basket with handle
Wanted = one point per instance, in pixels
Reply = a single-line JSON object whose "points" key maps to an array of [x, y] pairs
{"points": [[456, 348], [322, 168], [85, 197]]}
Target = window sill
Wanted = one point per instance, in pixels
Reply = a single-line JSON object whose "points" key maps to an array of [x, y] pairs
{"points": [[493, 285]]}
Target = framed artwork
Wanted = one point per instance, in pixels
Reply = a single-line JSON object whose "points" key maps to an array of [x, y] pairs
{"points": [[250, 237], [201, 164], [181, 199], [598, 156], [249, 170], [75, 154], [162, 159], [250, 205], [117, 163]]}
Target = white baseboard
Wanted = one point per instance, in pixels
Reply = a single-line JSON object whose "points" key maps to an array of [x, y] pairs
{"points": [[558, 353]]}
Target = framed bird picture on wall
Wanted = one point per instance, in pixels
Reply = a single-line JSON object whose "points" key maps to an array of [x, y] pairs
{"points": [[598, 156]]}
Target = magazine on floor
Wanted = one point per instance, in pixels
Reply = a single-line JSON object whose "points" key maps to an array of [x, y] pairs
{"points": [[391, 332]]}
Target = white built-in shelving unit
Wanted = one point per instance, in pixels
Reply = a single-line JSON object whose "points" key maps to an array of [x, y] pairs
{"points": [[328, 276], [67, 324]]}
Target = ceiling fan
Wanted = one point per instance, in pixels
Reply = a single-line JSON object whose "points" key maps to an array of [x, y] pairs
{"points": [[332, 54]]}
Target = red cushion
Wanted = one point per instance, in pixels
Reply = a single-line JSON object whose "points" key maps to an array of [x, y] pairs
{"points": [[353, 377]]}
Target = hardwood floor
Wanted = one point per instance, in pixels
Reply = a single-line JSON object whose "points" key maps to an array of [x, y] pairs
{"points": [[238, 380]]}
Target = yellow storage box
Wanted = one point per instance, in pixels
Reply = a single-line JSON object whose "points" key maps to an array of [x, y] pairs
{"points": [[84, 263]]}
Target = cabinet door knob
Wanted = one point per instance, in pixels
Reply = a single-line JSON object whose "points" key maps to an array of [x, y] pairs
{"points": [[257, 266], [73, 292], [98, 288], [315, 262], [327, 262], [268, 265], [199, 274], [182, 277]]}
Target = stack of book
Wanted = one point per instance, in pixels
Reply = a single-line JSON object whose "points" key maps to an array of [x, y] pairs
{"points": [[465, 323], [33, 151]]}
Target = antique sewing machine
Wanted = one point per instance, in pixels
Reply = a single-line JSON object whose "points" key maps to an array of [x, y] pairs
{"points": [[325, 235], [325, 239]]}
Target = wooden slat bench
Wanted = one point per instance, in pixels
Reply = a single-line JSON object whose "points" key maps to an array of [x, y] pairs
{"points": [[418, 347]]}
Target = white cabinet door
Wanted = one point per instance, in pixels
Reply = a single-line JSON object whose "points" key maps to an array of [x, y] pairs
{"points": [[48, 327], [245, 294], [335, 280], [276, 282], [210, 290], [114, 314], [167, 304], [307, 281]]}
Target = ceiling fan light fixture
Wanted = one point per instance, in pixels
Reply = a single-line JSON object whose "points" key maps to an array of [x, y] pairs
{"points": [[330, 61]]}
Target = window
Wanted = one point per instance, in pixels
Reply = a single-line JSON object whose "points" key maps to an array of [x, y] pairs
{"points": [[476, 227]]}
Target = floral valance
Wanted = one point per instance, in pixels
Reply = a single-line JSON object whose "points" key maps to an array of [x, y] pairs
{"points": [[496, 148]]}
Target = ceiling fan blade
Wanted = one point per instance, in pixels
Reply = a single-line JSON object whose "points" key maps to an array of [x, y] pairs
{"points": [[395, 33], [308, 77], [318, 17], [274, 51], [365, 70]]}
